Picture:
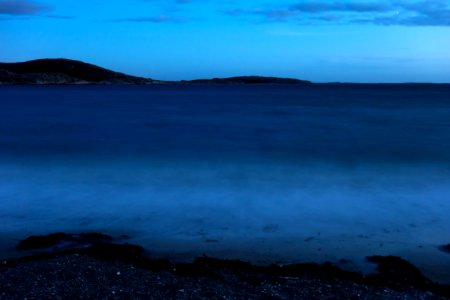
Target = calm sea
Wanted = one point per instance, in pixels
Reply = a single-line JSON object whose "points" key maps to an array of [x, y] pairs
{"points": [[265, 173]]}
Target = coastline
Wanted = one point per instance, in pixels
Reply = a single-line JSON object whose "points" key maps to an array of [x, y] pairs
{"points": [[94, 265], [366, 197]]}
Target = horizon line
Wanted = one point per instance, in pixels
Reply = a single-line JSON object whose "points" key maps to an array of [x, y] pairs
{"points": [[181, 81]]}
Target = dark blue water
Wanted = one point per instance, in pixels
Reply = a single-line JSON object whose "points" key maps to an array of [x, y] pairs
{"points": [[342, 123], [289, 173]]}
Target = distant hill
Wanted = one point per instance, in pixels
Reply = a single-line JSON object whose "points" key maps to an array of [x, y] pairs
{"points": [[62, 71], [249, 80], [66, 71]]}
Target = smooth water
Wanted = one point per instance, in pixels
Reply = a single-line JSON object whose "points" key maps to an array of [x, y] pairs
{"points": [[263, 173]]}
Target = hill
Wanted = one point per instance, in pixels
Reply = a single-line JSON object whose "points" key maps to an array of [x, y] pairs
{"points": [[249, 80], [66, 71], [62, 71]]}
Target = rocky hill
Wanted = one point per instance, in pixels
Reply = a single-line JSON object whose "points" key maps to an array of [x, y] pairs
{"points": [[62, 71], [66, 71]]}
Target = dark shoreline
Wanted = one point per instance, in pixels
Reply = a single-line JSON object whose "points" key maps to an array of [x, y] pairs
{"points": [[97, 266]]}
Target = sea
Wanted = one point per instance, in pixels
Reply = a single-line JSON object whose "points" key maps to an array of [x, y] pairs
{"points": [[265, 173]]}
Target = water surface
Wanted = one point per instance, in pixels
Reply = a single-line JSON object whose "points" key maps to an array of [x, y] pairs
{"points": [[265, 173]]}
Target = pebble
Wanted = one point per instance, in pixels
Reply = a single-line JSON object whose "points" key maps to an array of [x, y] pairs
{"points": [[30, 279]]}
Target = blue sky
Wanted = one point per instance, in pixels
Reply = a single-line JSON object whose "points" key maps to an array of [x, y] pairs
{"points": [[319, 40]]}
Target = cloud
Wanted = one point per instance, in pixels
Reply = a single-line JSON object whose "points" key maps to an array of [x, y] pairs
{"points": [[175, 1], [319, 7], [273, 14], [22, 8], [423, 13], [394, 12], [51, 16], [156, 19]]}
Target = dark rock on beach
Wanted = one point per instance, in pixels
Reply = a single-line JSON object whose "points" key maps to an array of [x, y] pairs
{"points": [[43, 241], [107, 270], [396, 271], [83, 277], [62, 240], [445, 248], [125, 252]]}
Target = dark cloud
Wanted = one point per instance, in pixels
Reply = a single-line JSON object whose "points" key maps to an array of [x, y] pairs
{"points": [[22, 8], [395, 12], [156, 19]]}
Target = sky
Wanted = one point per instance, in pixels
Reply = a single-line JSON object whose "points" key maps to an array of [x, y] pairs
{"points": [[318, 40]]}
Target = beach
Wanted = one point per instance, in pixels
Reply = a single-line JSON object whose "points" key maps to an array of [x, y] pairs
{"points": [[108, 270]]}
